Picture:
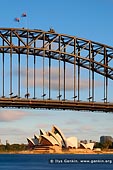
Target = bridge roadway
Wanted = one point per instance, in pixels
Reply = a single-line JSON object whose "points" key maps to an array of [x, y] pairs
{"points": [[55, 104]]}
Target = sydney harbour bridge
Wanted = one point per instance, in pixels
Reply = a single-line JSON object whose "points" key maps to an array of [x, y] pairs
{"points": [[45, 69]]}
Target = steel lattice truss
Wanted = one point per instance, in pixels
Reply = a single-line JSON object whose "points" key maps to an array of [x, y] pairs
{"points": [[68, 48], [96, 57]]}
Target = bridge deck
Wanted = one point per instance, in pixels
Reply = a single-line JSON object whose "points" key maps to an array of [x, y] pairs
{"points": [[55, 104]]}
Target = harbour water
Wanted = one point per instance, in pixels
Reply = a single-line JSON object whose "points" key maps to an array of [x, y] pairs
{"points": [[56, 161]]}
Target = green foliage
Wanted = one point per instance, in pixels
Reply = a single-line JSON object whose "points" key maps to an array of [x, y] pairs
{"points": [[13, 147], [106, 145], [2, 148], [98, 145]]}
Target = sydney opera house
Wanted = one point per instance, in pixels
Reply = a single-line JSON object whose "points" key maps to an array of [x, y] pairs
{"points": [[55, 139]]}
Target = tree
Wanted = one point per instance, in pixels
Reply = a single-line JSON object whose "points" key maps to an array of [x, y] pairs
{"points": [[98, 145], [107, 144]]}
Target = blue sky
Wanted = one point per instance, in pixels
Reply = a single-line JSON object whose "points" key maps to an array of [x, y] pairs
{"points": [[86, 19]]}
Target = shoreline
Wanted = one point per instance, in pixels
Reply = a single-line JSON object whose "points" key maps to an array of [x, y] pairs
{"points": [[61, 152]]}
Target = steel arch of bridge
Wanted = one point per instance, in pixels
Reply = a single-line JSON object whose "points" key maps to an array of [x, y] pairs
{"points": [[79, 52]]}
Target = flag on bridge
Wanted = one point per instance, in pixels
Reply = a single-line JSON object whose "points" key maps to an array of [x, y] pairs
{"points": [[24, 15], [17, 19]]}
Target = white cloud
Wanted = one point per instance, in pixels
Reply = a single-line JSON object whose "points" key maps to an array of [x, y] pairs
{"points": [[69, 80], [12, 131], [14, 135], [45, 126], [11, 115], [72, 122]]}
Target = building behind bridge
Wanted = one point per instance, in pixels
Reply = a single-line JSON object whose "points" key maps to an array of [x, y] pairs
{"points": [[104, 139]]}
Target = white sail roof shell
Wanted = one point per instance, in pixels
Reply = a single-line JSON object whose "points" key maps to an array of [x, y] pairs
{"points": [[56, 137], [88, 145], [33, 141], [50, 139], [72, 142], [42, 132], [59, 133], [36, 136]]}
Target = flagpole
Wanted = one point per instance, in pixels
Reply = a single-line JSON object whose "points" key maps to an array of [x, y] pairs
{"points": [[24, 15], [17, 20]]}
